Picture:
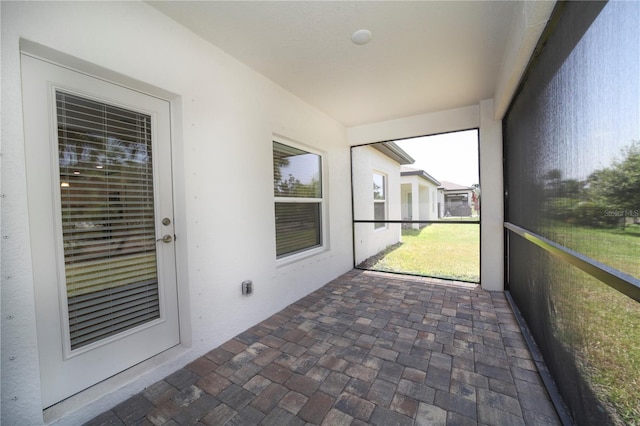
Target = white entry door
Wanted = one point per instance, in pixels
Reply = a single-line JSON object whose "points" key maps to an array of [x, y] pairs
{"points": [[101, 222]]}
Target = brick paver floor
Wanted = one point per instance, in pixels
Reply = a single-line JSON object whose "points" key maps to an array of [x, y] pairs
{"points": [[367, 348]]}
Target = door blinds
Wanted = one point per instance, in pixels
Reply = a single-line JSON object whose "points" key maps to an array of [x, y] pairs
{"points": [[107, 210]]}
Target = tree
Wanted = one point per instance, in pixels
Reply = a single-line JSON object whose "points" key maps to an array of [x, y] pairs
{"points": [[279, 162], [619, 185], [555, 186], [475, 196], [292, 187], [553, 175]]}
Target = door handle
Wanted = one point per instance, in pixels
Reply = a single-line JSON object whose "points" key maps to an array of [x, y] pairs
{"points": [[165, 239]]}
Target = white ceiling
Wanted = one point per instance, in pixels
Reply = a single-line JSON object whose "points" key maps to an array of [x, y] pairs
{"points": [[425, 56]]}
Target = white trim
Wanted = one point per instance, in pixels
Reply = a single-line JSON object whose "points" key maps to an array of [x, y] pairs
{"points": [[322, 200], [384, 202], [427, 124], [43, 196]]}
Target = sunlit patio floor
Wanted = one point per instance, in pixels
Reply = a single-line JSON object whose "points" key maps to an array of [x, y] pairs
{"points": [[367, 348]]}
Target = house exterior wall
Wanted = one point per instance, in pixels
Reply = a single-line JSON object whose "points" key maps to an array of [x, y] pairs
{"points": [[441, 206], [369, 241], [423, 199], [223, 118], [407, 208], [427, 200]]}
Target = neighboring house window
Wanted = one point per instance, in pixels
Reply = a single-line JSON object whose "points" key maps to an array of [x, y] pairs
{"points": [[379, 200], [297, 187]]}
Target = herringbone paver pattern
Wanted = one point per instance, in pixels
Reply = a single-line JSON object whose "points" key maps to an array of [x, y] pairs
{"points": [[367, 348]]}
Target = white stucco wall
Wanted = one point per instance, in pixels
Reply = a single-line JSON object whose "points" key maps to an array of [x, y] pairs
{"points": [[464, 118], [423, 199], [523, 38], [492, 200], [223, 118], [476, 116], [369, 241]]}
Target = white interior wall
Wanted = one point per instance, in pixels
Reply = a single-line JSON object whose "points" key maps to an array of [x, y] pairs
{"points": [[224, 115], [476, 116]]}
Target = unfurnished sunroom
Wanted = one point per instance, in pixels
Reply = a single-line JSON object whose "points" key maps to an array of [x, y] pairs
{"points": [[152, 129]]}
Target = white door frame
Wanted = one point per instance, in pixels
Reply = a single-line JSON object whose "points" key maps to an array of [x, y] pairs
{"points": [[64, 372]]}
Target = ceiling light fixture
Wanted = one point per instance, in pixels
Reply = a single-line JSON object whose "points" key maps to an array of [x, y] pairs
{"points": [[361, 37]]}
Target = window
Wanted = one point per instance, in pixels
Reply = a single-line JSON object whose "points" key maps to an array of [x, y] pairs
{"points": [[297, 187], [379, 200], [108, 221]]}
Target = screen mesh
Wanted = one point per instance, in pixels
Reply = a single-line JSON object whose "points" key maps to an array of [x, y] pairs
{"points": [[573, 176]]}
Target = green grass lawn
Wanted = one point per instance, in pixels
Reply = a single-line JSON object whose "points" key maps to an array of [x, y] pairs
{"points": [[598, 323], [438, 250], [608, 326], [615, 247]]}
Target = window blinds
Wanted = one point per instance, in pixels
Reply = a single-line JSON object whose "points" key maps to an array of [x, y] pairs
{"points": [[108, 223], [297, 227]]}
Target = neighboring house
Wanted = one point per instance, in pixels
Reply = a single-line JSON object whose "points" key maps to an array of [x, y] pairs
{"points": [[455, 200], [419, 196], [376, 196]]}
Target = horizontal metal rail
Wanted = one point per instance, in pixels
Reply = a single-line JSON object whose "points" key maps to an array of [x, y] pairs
{"points": [[625, 284], [413, 274], [453, 222]]}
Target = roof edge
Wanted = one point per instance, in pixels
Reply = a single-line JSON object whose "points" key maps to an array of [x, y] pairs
{"points": [[393, 151], [422, 174]]}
